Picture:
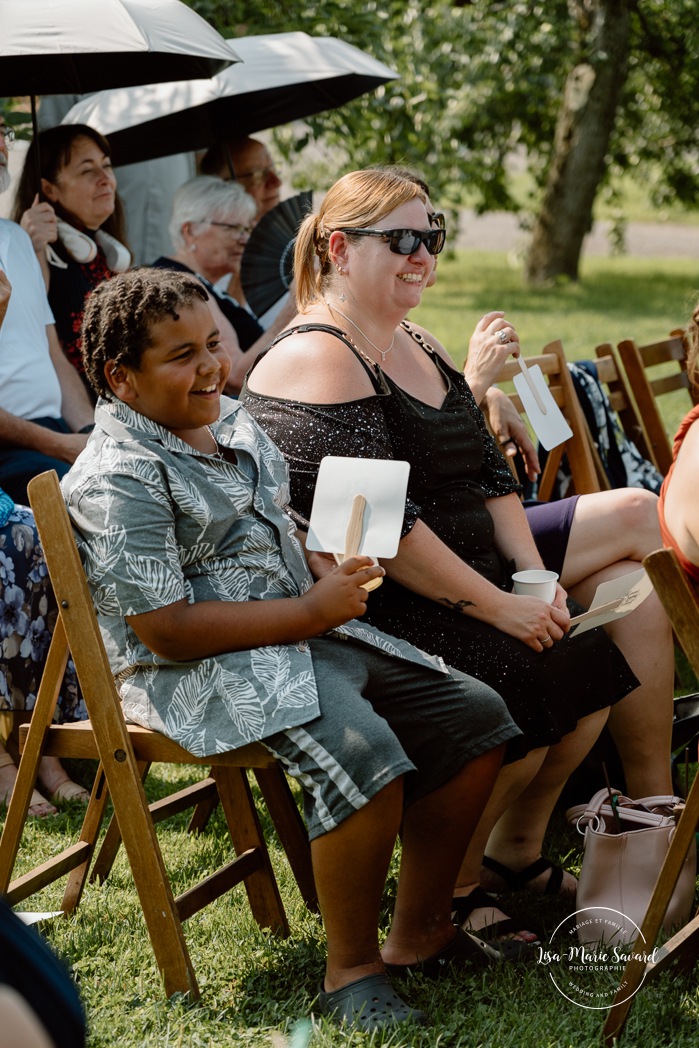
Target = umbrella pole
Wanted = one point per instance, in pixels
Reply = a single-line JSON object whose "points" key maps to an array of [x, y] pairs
{"points": [[35, 143], [229, 162]]}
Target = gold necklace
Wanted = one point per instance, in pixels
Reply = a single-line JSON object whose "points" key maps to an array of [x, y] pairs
{"points": [[383, 353]]}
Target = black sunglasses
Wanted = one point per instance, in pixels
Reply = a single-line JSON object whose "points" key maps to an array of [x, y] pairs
{"points": [[404, 241]]}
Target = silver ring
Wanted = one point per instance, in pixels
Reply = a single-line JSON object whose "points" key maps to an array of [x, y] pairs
{"points": [[503, 337], [547, 640]]}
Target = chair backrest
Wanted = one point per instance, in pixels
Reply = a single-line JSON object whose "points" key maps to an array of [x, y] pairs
{"points": [[652, 371], [616, 385], [77, 610], [679, 597], [587, 472]]}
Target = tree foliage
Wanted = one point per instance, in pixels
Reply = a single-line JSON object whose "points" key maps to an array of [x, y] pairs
{"points": [[483, 80]]}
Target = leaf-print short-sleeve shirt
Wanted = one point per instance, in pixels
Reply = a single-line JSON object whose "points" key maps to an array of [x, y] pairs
{"points": [[157, 522]]}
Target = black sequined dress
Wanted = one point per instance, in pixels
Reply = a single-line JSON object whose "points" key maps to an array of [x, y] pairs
{"points": [[455, 467]]}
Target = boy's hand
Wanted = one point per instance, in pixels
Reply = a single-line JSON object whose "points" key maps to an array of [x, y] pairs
{"points": [[338, 596]]}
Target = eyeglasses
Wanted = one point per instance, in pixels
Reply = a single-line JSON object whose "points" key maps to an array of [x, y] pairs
{"points": [[437, 220], [9, 135], [233, 229], [405, 241], [259, 176]]}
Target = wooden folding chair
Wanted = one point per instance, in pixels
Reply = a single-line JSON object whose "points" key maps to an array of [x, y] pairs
{"points": [[681, 602], [646, 384], [612, 377], [587, 472], [124, 751]]}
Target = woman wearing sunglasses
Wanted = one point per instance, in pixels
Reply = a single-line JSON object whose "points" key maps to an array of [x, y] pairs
{"points": [[351, 377]]}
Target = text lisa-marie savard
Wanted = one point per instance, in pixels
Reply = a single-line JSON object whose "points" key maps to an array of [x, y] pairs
{"points": [[583, 956]]}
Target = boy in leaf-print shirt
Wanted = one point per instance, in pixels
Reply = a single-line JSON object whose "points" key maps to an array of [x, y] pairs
{"points": [[217, 635]]}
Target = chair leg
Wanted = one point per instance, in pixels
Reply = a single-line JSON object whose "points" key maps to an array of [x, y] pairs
{"points": [[56, 662], [150, 878], [201, 796], [202, 813], [246, 834], [683, 947], [94, 815], [109, 848], [290, 828]]}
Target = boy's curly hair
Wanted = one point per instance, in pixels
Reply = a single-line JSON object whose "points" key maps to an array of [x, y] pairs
{"points": [[120, 313]]}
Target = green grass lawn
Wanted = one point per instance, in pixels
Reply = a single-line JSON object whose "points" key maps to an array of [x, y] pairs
{"points": [[257, 989], [618, 298]]}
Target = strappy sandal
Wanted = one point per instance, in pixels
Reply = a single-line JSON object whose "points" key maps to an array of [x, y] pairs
{"points": [[71, 791], [464, 949], [368, 1004], [509, 949], [516, 880], [39, 807]]}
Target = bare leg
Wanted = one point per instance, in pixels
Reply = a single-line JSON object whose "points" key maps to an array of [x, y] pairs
{"points": [[641, 724], [436, 832], [350, 864], [517, 837], [510, 783], [610, 526], [55, 779], [623, 527], [39, 806]]}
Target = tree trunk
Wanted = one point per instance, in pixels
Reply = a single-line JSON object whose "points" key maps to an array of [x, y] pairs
{"points": [[585, 122]]}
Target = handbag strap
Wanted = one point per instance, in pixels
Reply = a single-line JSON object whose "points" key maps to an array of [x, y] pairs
{"points": [[600, 816]]}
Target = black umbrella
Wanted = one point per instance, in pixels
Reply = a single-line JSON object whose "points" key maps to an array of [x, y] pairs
{"points": [[59, 47], [282, 77], [56, 47]]}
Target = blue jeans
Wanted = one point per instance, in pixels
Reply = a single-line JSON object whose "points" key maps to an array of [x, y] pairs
{"points": [[19, 465]]}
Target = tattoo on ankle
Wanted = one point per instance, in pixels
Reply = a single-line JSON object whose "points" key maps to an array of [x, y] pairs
{"points": [[457, 605]]}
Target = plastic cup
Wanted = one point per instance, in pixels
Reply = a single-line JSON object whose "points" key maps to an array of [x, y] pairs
{"points": [[536, 582]]}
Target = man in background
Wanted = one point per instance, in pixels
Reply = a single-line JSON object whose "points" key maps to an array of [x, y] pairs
{"points": [[253, 167]]}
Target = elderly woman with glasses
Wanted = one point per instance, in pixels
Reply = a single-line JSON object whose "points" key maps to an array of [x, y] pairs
{"points": [[352, 377], [210, 226]]}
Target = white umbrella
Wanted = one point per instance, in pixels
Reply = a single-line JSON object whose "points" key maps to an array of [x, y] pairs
{"points": [[58, 47], [282, 77]]}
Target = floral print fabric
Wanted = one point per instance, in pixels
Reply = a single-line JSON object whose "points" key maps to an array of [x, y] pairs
{"points": [[28, 616]]}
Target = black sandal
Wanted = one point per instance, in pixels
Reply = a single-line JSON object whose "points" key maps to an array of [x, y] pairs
{"points": [[368, 1004], [509, 949], [465, 948], [516, 880]]}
